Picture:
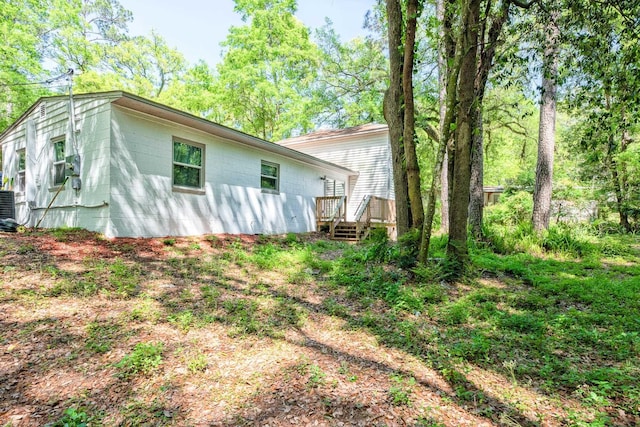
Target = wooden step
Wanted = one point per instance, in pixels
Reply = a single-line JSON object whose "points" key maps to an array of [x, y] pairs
{"points": [[346, 231]]}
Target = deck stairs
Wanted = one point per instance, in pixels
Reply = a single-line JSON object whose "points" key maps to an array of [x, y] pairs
{"points": [[372, 212], [347, 231]]}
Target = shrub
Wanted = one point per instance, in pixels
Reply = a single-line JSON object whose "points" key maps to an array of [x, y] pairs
{"points": [[513, 209]]}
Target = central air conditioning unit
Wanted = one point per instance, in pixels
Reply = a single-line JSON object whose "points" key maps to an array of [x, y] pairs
{"points": [[7, 204]]}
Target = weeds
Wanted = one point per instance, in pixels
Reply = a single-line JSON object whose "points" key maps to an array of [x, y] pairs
{"points": [[562, 326], [124, 278], [317, 377], [100, 336], [401, 389], [145, 358], [72, 417], [197, 363]]}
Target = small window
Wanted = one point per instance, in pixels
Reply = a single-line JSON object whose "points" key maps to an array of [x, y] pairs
{"points": [[187, 164], [57, 169], [269, 176], [22, 167]]}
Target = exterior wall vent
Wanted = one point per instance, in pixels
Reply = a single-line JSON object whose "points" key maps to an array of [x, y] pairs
{"points": [[7, 205], [43, 110]]}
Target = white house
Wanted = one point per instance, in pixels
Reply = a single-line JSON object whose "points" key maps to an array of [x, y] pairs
{"points": [[126, 166], [365, 149]]}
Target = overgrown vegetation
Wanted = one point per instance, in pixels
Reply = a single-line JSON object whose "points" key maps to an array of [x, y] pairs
{"points": [[545, 332]]}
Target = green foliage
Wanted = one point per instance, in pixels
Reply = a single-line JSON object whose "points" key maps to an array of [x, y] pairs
{"points": [[401, 389], [269, 58], [184, 320], [317, 377], [101, 335], [509, 129], [145, 359], [198, 363], [124, 278], [513, 209], [352, 79], [72, 417]]}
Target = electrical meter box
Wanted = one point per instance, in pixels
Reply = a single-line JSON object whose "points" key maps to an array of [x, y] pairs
{"points": [[72, 166]]}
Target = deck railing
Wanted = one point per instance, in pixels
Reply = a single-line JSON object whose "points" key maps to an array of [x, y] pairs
{"points": [[377, 209], [331, 210], [374, 209], [328, 208]]}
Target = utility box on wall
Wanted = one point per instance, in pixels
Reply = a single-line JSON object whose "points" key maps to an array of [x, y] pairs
{"points": [[72, 165], [72, 170], [7, 204]]}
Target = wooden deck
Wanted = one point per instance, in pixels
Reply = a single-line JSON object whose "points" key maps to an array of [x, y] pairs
{"points": [[373, 212]]}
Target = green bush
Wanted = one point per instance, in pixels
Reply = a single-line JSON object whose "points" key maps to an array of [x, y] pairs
{"points": [[513, 209]]}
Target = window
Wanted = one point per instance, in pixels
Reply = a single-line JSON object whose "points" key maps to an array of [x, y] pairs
{"points": [[22, 166], [269, 176], [57, 170], [187, 164]]}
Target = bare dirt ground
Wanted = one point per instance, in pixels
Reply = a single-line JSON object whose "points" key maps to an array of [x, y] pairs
{"points": [[241, 345]]}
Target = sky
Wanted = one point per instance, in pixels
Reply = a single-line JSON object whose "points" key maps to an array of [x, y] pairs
{"points": [[196, 27]]}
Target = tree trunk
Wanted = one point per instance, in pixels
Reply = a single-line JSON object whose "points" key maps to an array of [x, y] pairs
{"points": [[476, 200], [444, 193], [445, 51], [448, 92], [393, 115], [457, 251], [547, 130], [620, 198], [489, 41], [413, 170]]}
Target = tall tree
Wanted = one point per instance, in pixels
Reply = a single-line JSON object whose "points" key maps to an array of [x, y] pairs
{"points": [[547, 128], [413, 10], [448, 71], [606, 60], [457, 251], [393, 114], [264, 80], [84, 30], [22, 29], [352, 79], [446, 51], [491, 25]]}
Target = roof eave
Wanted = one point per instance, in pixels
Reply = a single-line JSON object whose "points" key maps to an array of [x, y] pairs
{"points": [[155, 109]]}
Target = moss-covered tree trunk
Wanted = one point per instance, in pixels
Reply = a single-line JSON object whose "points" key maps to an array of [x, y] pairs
{"points": [[394, 116], [457, 251], [409, 134]]}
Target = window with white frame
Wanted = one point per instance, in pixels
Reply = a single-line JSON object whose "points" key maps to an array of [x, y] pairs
{"points": [[270, 176], [57, 169], [188, 161], [22, 167]]}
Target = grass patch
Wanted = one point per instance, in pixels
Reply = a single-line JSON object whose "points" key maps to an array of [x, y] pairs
{"points": [[144, 359]]}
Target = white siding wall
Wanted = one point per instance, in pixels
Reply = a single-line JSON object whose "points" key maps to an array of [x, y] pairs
{"points": [[34, 133], [145, 204], [368, 154]]}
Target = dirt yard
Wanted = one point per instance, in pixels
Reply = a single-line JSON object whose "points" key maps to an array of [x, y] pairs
{"points": [[194, 332]]}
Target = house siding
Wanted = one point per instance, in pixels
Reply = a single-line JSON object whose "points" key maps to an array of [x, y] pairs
{"points": [[126, 148], [145, 203], [368, 154], [34, 134]]}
